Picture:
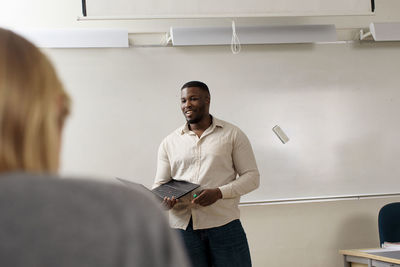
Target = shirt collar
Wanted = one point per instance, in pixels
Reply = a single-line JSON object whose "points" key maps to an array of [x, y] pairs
{"points": [[215, 123]]}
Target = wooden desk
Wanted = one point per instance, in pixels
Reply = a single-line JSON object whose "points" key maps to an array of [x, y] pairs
{"points": [[371, 257]]}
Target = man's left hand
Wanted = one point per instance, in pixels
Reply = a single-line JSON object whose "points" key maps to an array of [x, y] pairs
{"points": [[208, 197]]}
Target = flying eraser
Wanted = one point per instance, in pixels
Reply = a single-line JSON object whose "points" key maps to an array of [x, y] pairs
{"points": [[281, 134]]}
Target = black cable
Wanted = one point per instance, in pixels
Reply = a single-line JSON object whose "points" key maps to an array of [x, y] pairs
{"points": [[84, 7]]}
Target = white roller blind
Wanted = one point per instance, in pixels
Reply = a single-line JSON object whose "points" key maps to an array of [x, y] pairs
{"points": [[225, 8]]}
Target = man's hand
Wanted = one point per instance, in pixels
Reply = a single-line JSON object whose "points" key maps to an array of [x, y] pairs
{"points": [[208, 197], [169, 203]]}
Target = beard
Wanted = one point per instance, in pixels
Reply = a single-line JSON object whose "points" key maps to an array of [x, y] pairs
{"points": [[194, 120], [199, 114]]}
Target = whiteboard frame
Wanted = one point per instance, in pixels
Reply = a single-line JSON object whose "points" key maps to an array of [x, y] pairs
{"points": [[217, 16]]}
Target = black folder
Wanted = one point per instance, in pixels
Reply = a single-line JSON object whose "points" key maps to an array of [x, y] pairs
{"points": [[173, 188]]}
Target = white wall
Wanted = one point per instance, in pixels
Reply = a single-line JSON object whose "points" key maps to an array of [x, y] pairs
{"points": [[311, 234], [324, 96]]}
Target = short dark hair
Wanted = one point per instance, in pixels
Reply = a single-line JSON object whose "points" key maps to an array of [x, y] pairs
{"points": [[197, 84]]}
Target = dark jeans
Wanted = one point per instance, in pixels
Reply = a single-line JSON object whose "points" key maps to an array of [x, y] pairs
{"points": [[224, 246]]}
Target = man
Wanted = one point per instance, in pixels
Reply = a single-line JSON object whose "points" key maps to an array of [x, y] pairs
{"points": [[218, 156]]}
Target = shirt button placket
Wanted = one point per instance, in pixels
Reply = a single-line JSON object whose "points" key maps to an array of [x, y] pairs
{"points": [[198, 157]]}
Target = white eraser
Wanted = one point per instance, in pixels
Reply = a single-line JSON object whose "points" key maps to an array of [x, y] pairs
{"points": [[281, 134]]}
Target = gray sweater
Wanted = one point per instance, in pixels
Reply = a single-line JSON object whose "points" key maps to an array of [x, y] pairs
{"points": [[50, 222]]}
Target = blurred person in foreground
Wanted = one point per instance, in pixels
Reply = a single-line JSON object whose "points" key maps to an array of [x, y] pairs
{"points": [[46, 221]]}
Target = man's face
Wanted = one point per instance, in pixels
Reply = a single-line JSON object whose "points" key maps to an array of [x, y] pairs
{"points": [[194, 104]]}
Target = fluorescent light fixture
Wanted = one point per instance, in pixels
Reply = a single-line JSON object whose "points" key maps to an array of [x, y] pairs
{"points": [[182, 36], [76, 38], [385, 31]]}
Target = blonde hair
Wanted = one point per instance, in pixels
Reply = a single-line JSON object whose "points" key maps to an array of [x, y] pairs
{"points": [[33, 106]]}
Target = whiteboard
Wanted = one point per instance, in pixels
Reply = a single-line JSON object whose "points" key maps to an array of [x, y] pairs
{"points": [[338, 103], [225, 8]]}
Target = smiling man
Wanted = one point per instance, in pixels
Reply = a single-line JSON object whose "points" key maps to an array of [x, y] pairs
{"points": [[218, 156]]}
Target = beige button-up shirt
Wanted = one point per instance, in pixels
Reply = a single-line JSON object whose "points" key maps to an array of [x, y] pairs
{"points": [[222, 157]]}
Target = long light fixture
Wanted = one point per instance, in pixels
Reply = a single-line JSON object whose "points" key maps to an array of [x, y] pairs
{"points": [[187, 36], [76, 38], [385, 31]]}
